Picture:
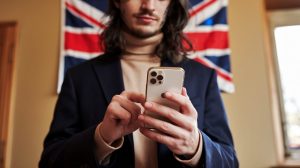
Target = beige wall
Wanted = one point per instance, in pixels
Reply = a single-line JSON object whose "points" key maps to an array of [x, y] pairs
{"points": [[249, 109], [36, 75]]}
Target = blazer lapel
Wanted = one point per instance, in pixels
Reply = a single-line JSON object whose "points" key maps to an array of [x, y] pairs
{"points": [[109, 74]]}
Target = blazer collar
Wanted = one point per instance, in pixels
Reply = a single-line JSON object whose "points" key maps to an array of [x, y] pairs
{"points": [[109, 73]]}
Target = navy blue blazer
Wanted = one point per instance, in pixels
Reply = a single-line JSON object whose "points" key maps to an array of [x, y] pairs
{"points": [[86, 92]]}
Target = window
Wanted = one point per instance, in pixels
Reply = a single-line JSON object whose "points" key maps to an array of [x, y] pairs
{"points": [[287, 42], [285, 29]]}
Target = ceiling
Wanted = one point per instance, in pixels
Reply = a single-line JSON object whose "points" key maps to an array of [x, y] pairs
{"points": [[282, 4]]}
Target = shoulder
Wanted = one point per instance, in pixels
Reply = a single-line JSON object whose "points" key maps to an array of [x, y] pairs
{"points": [[86, 67], [198, 77]]}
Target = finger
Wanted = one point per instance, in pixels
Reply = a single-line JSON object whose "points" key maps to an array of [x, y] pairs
{"points": [[174, 116], [163, 126], [128, 105], [134, 96], [118, 113], [158, 137], [184, 92], [184, 101]]}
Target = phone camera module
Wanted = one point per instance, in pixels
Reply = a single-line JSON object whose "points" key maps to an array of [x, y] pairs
{"points": [[160, 77], [153, 81], [153, 73]]}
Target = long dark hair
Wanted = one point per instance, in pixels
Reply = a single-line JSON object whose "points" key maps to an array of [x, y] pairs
{"points": [[174, 45]]}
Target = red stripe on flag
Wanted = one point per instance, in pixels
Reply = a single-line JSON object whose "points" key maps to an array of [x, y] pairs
{"points": [[213, 40], [82, 42], [201, 7], [220, 73], [83, 15]]}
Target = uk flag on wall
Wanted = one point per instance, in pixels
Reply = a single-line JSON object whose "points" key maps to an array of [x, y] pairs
{"points": [[84, 20]]}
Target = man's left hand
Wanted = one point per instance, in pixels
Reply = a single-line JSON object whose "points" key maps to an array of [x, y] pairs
{"points": [[181, 135]]}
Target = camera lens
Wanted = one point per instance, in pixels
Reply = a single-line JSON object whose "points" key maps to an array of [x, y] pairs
{"points": [[153, 73], [152, 81], [160, 77]]}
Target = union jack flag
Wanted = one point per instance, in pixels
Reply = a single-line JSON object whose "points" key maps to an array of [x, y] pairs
{"points": [[84, 20]]}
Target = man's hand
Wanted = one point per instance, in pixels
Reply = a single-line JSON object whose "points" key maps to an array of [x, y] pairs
{"points": [[121, 116], [181, 136]]}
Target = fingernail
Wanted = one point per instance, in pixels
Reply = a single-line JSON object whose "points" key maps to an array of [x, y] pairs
{"points": [[163, 95]]}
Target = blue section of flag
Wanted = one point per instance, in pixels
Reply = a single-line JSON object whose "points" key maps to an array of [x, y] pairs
{"points": [[99, 4], [74, 21], [194, 2], [71, 61], [218, 18], [221, 61]]}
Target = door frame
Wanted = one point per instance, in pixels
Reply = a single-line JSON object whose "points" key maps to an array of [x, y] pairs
{"points": [[8, 35]]}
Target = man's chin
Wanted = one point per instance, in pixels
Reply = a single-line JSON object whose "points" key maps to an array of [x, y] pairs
{"points": [[143, 34]]}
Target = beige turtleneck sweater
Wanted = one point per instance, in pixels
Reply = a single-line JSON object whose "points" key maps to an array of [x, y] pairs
{"points": [[134, 68]]}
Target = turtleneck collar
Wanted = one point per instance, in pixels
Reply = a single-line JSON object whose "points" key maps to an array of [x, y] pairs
{"points": [[141, 46]]}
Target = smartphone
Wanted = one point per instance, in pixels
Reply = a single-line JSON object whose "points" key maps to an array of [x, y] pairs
{"points": [[161, 80]]}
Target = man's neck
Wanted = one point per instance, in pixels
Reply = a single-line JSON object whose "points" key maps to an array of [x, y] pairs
{"points": [[141, 46]]}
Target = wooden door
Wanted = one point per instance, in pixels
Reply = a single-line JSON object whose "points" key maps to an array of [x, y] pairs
{"points": [[7, 54]]}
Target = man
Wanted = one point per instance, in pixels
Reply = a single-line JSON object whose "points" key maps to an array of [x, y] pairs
{"points": [[99, 121]]}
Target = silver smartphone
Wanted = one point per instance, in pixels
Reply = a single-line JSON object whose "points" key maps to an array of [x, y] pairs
{"points": [[161, 80]]}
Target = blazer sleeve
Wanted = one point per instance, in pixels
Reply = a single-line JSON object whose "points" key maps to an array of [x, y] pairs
{"points": [[67, 143], [218, 149]]}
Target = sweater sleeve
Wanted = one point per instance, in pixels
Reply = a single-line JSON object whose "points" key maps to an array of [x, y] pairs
{"points": [[104, 150]]}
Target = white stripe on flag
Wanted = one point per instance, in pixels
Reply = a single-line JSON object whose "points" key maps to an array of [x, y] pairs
{"points": [[85, 30], [62, 43], [206, 29], [209, 52], [206, 13], [81, 55], [225, 85]]}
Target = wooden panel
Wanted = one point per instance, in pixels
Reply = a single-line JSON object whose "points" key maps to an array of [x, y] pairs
{"points": [[7, 52], [282, 4]]}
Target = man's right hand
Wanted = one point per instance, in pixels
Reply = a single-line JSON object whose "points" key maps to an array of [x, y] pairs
{"points": [[121, 116]]}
